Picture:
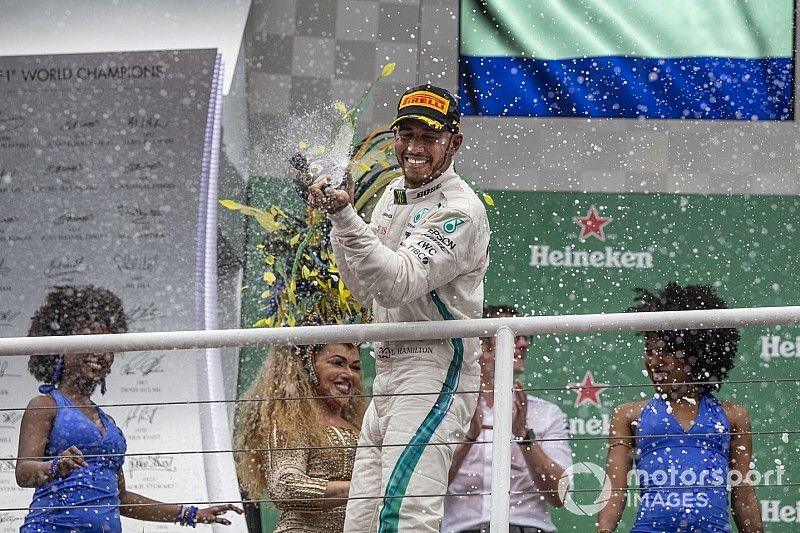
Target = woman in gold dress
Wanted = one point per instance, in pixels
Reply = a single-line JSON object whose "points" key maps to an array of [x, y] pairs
{"points": [[299, 425]]}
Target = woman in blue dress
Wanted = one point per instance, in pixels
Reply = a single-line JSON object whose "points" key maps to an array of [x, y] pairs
{"points": [[690, 448], [70, 450]]}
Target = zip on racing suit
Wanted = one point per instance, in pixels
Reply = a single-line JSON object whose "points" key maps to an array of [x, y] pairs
{"points": [[423, 257]]}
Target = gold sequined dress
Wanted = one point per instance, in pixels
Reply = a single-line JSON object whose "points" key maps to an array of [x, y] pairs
{"points": [[302, 475]]}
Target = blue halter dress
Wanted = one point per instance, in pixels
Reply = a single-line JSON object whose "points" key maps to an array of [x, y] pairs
{"points": [[87, 500], [682, 474]]}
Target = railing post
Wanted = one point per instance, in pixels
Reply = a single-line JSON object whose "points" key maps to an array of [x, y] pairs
{"points": [[501, 434]]}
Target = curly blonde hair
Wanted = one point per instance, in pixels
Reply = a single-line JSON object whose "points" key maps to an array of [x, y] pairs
{"points": [[280, 410]]}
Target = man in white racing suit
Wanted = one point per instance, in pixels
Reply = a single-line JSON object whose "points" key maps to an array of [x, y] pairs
{"points": [[422, 258]]}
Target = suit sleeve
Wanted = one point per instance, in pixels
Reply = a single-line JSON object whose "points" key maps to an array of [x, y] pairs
{"points": [[442, 247], [353, 284]]}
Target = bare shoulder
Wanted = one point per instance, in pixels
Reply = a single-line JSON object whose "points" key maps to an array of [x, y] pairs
{"points": [[630, 411], [737, 413], [41, 401], [624, 419], [40, 410]]}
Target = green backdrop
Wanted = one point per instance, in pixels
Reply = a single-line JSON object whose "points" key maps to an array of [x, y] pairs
{"points": [[746, 246], [578, 253]]}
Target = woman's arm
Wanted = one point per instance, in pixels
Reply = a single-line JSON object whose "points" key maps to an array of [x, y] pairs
{"points": [[32, 469], [336, 493], [136, 506], [744, 505], [621, 446], [291, 488]]}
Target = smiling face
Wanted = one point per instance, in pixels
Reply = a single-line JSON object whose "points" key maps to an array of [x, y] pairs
{"points": [[666, 370], [423, 152], [85, 371], [339, 371]]}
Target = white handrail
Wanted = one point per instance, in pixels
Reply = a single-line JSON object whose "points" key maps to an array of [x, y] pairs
{"points": [[501, 433], [505, 328], [592, 323]]}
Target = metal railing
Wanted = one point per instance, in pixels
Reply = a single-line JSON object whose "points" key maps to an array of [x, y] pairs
{"points": [[504, 328]]}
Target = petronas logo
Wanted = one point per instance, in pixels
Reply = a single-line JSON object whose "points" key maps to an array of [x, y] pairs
{"points": [[451, 225], [419, 215]]}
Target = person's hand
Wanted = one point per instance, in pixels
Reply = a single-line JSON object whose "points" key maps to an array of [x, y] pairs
{"points": [[69, 460], [322, 195], [213, 514], [475, 424], [519, 411]]}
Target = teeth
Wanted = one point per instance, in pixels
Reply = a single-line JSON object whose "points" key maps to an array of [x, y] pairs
{"points": [[416, 161], [343, 387], [660, 375]]}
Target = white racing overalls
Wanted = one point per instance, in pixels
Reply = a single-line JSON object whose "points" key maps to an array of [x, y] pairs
{"points": [[423, 257]]}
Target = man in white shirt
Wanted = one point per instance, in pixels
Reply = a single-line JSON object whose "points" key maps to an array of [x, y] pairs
{"points": [[538, 459]]}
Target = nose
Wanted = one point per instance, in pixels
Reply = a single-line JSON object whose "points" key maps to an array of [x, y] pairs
{"points": [[652, 358], [416, 144], [353, 374]]}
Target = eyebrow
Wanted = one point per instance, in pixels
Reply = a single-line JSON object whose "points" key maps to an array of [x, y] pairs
{"points": [[340, 356]]}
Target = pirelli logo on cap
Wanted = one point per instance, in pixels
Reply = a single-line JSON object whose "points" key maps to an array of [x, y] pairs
{"points": [[426, 99]]}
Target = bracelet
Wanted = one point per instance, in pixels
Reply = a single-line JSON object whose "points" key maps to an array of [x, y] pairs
{"points": [[179, 516], [187, 515], [54, 468], [192, 519], [604, 531], [621, 443], [470, 439]]}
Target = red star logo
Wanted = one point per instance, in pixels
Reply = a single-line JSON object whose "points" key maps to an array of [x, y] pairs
{"points": [[588, 391], [592, 224]]}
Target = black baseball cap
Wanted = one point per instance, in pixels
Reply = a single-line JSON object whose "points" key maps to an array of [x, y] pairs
{"points": [[432, 105]]}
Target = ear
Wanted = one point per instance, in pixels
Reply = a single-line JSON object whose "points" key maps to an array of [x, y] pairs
{"points": [[455, 143]]}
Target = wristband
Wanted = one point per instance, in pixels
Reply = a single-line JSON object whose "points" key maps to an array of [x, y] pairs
{"points": [[192, 518], [54, 468], [187, 515], [528, 439]]}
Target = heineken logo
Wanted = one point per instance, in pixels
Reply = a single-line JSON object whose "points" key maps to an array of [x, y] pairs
{"points": [[569, 257], [451, 225], [775, 347], [593, 426], [778, 511], [592, 224], [588, 390]]}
